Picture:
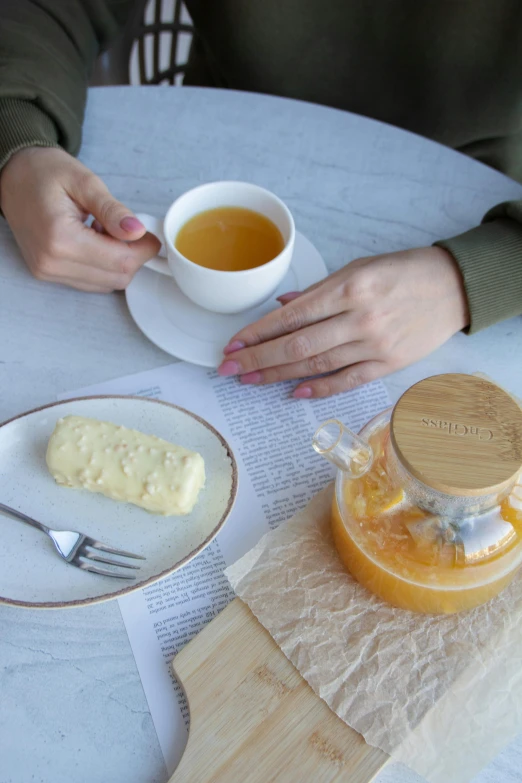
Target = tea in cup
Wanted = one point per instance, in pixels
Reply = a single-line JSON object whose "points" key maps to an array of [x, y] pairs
{"points": [[229, 239], [228, 245]]}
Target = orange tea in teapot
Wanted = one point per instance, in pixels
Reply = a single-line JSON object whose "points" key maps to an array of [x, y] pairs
{"points": [[433, 524]]}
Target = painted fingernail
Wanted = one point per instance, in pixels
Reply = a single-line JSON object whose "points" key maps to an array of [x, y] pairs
{"points": [[284, 298], [303, 392], [235, 345], [131, 224], [228, 368], [251, 377]]}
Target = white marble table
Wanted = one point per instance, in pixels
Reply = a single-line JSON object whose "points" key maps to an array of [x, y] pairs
{"points": [[71, 702]]}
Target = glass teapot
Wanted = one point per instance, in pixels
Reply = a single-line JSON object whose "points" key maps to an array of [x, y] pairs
{"points": [[427, 512]]}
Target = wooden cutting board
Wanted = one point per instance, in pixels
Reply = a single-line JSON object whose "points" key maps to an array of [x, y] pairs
{"points": [[254, 719]]}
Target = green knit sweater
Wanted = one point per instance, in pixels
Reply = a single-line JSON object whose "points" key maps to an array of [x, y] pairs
{"points": [[450, 70]]}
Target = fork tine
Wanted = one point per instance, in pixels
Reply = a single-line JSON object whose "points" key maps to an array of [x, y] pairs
{"points": [[107, 560], [104, 571], [111, 551]]}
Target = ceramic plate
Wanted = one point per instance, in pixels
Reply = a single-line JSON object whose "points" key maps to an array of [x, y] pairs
{"points": [[31, 572], [174, 323]]}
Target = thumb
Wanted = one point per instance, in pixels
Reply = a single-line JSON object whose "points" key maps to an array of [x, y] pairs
{"points": [[117, 219]]}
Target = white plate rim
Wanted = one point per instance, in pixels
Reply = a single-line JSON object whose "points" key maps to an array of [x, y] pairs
{"points": [[78, 602]]}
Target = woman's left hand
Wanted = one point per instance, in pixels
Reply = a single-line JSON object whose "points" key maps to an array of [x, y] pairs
{"points": [[374, 316]]}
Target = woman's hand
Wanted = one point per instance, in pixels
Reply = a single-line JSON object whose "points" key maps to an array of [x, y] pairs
{"points": [[374, 316], [46, 195]]}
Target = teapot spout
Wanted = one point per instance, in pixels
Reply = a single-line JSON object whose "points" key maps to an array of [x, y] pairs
{"points": [[343, 448]]}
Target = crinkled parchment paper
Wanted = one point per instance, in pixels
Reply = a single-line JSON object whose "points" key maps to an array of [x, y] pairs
{"points": [[442, 694]]}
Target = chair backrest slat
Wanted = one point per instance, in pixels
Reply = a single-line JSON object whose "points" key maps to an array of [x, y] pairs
{"points": [[113, 66]]}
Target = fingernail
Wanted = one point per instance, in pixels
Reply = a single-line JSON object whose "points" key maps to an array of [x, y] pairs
{"points": [[251, 377], [97, 226], [228, 368], [303, 392], [235, 345], [131, 224], [284, 298]]}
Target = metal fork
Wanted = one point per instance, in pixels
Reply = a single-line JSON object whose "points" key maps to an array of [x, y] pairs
{"points": [[73, 546]]}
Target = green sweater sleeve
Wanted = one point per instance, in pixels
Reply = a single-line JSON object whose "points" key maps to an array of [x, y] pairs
{"points": [[490, 259], [47, 50]]}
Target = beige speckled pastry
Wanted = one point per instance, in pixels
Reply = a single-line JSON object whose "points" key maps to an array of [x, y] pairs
{"points": [[125, 465]]}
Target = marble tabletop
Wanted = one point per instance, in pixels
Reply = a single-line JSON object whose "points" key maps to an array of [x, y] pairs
{"points": [[72, 706]]}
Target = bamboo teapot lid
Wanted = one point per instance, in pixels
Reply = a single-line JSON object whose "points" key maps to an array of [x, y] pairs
{"points": [[459, 434]]}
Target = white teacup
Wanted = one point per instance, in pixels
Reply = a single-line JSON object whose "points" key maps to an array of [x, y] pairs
{"points": [[222, 292]]}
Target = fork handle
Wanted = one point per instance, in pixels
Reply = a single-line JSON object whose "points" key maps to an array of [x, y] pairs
{"points": [[24, 518]]}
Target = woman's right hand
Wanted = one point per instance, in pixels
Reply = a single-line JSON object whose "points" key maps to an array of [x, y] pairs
{"points": [[46, 196]]}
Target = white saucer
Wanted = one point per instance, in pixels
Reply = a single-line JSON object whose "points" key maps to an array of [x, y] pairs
{"points": [[178, 326]]}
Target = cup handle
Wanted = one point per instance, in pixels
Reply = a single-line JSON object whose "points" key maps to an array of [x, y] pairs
{"points": [[155, 226]]}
